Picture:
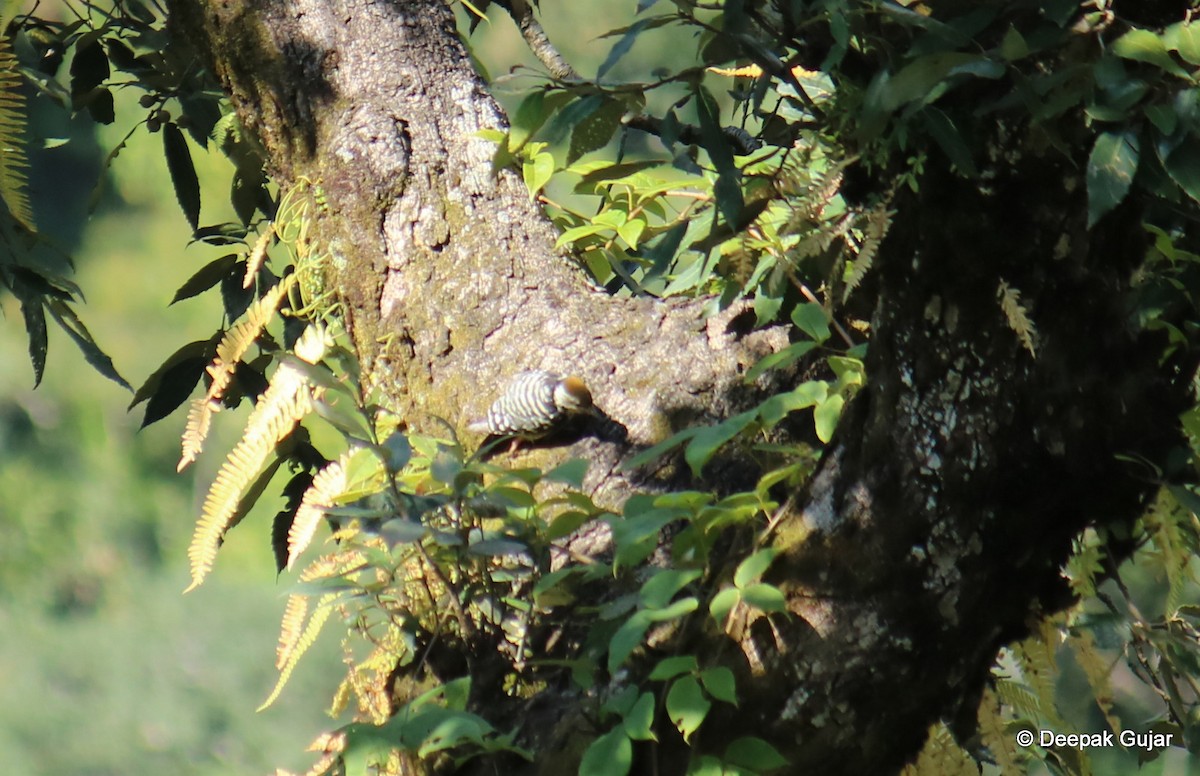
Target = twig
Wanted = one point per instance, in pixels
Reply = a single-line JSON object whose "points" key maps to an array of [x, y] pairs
{"points": [[742, 141], [531, 29]]}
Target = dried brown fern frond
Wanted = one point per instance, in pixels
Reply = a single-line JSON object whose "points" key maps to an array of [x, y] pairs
{"points": [[308, 637], [287, 400], [230, 350], [329, 483], [290, 628], [258, 255], [1017, 317]]}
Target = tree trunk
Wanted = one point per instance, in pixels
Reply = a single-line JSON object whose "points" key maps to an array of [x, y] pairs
{"points": [[938, 519]]}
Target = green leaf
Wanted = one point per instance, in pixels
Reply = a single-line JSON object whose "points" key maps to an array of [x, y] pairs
{"points": [[175, 385], [706, 766], [825, 416], [631, 232], [621, 702], [35, 326], [807, 394], [1183, 165], [658, 591], [671, 667], [101, 106], [200, 349], [708, 439], [686, 705], [680, 608], [583, 230], [398, 451], [594, 131], [445, 466], [753, 567], [1145, 46], [754, 754], [849, 371], [918, 80], [639, 722], [570, 473], [70, 323], [89, 68], [1186, 498], [626, 639], [766, 307], [765, 597], [1184, 38], [1014, 47], [657, 451], [720, 684], [537, 171], [622, 46], [183, 173], [609, 755], [530, 116], [728, 188], [811, 319], [786, 357], [723, 603], [592, 181], [564, 524], [340, 412], [208, 276], [636, 538], [951, 141], [1110, 172]]}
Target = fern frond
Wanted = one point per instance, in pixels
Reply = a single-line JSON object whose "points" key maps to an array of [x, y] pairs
{"points": [[1098, 670], [258, 255], [878, 222], [230, 350], [306, 640], [327, 486], [941, 756], [1017, 316], [333, 565], [14, 162], [1022, 699], [995, 735], [289, 628], [823, 190], [331, 746], [241, 336], [287, 400], [199, 420], [1038, 664]]}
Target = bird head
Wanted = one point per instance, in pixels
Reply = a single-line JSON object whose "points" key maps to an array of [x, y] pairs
{"points": [[572, 395]]}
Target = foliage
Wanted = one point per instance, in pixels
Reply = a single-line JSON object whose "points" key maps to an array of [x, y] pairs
{"points": [[743, 198]]}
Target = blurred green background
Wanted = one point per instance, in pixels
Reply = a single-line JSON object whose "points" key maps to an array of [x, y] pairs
{"points": [[105, 667]]}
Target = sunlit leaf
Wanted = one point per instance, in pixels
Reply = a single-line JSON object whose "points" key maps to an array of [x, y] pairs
{"points": [[1110, 172], [609, 755], [686, 705]]}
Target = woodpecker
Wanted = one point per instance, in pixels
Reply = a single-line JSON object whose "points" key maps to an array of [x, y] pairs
{"points": [[534, 403]]}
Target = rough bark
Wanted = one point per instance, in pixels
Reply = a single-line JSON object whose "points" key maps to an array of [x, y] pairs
{"points": [[939, 517]]}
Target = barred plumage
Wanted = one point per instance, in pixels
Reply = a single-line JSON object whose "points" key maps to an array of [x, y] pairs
{"points": [[533, 403]]}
